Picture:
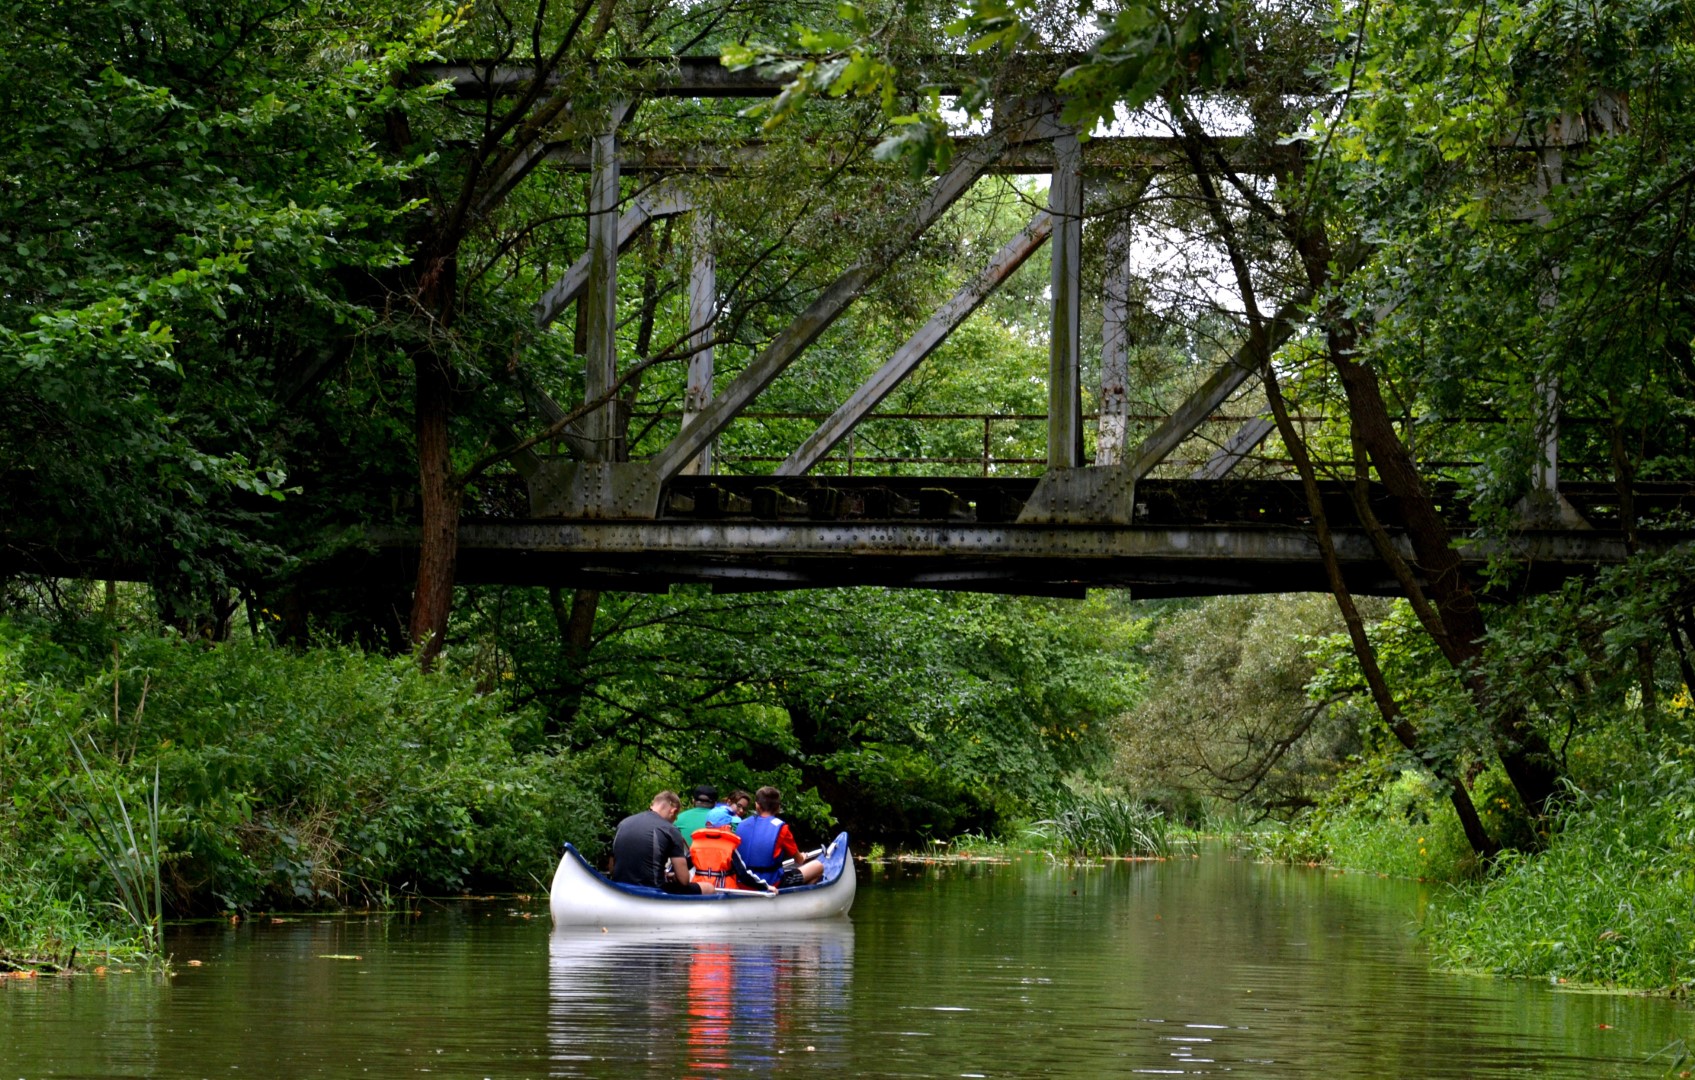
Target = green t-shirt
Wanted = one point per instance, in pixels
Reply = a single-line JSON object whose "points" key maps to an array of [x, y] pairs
{"points": [[691, 819]]}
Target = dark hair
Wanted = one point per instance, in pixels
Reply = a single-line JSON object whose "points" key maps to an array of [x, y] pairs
{"points": [[705, 795], [768, 799], [739, 796]]}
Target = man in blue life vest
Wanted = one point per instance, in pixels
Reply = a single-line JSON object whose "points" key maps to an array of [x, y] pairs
{"points": [[646, 843], [766, 841]]}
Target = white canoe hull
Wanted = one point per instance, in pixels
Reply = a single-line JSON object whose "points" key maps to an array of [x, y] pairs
{"points": [[583, 897]]}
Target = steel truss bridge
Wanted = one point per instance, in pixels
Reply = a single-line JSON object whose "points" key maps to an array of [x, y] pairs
{"points": [[594, 520]]}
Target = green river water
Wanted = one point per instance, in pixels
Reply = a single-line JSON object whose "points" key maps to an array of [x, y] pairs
{"points": [[1189, 967]]}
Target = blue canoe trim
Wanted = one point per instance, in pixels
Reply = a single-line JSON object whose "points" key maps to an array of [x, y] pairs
{"points": [[833, 864]]}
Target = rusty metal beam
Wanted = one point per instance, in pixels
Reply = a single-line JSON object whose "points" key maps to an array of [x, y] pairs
{"points": [[1150, 561], [929, 337], [1214, 392], [660, 200]]}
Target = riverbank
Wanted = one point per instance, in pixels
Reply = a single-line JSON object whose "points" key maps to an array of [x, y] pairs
{"points": [[1605, 899], [152, 777]]}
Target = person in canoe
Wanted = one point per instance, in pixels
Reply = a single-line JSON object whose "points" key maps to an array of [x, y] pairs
{"points": [[715, 859], [705, 800], [729, 813], [648, 842], [766, 841]]}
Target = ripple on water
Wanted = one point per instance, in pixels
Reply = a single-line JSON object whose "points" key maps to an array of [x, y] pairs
{"points": [[1193, 967]]}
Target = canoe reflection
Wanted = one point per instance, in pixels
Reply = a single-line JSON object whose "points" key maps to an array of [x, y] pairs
{"points": [[697, 1001]]}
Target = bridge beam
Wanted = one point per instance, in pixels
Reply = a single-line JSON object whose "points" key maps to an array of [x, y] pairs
{"points": [[1148, 560], [1105, 156], [661, 200], [632, 489], [929, 337]]}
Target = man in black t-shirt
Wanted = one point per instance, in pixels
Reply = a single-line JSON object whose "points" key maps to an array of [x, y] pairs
{"points": [[646, 842]]}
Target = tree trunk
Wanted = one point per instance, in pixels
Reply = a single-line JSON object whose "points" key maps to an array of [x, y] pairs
{"points": [[1524, 753], [576, 637], [438, 545], [1453, 617], [1444, 768]]}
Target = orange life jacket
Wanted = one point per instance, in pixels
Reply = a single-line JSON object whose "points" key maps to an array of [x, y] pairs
{"points": [[711, 850]]}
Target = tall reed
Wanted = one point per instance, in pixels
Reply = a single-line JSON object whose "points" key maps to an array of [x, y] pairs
{"points": [[134, 871], [1104, 824]]}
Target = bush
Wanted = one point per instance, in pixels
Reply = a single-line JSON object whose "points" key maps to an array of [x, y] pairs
{"points": [[41, 926], [1378, 821], [286, 780], [1608, 901], [1105, 824]]}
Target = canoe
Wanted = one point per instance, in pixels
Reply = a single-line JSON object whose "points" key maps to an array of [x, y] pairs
{"points": [[581, 896]]}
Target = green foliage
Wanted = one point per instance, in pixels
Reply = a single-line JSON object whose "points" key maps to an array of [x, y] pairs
{"points": [[1607, 902], [283, 779], [134, 869], [1381, 818], [1239, 705], [189, 187], [41, 922], [901, 715], [1092, 825]]}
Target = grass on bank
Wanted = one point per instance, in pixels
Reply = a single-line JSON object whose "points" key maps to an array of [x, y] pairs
{"points": [[1104, 825], [284, 780], [1607, 898], [1610, 901]]}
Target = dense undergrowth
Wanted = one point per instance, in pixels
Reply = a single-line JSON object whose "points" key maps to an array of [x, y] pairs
{"points": [[1605, 898], [317, 778], [1610, 900]]}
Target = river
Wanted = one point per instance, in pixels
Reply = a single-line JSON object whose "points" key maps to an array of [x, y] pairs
{"points": [[1191, 967]]}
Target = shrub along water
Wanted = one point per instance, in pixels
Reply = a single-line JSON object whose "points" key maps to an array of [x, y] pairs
{"points": [[283, 780], [1609, 900], [1105, 824]]}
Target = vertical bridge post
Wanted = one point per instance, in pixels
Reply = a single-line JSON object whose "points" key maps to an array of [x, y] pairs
{"points": [[1065, 402], [703, 310], [1112, 431], [599, 303]]}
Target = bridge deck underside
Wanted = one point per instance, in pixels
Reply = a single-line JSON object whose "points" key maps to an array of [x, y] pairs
{"points": [[1188, 538]]}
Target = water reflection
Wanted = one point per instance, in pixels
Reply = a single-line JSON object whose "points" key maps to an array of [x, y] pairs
{"points": [[706, 1000], [1192, 967]]}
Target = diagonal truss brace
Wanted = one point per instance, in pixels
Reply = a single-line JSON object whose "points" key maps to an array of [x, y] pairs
{"points": [[661, 200], [822, 312], [632, 489], [1247, 438], [928, 338], [1217, 389]]}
